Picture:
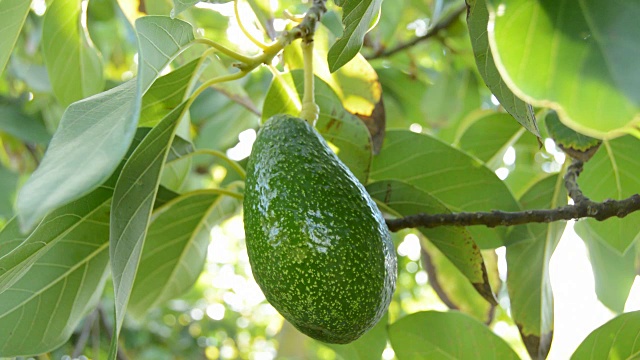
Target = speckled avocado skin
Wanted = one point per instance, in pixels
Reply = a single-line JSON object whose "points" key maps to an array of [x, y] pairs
{"points": [[318, 246]]}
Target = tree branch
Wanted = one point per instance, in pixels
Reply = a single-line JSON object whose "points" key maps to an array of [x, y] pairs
{"points": [[435, 30], [583, 208]]}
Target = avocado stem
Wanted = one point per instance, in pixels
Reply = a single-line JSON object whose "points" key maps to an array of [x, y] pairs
{"points": [[309, 110]]}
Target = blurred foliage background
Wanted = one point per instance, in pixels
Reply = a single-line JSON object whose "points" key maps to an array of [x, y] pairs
{"points": [[432, 87]]}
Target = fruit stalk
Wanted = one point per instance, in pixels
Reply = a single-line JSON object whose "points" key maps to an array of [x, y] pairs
{"points": [[309, 110]]}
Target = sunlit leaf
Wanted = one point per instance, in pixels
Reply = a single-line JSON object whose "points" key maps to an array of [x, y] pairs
{"points": [[446, 173], [528, 263], [446, 335], [73, 64], [356, 18], [12, 16], [402, 199], [613, 273], [615, 340], [578, 58], [477, 19], [176, 247], [614, 173], [40, 311]]}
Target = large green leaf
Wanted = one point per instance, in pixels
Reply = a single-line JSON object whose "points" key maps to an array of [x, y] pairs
{"points": [[578, 58], [615, 340], [528, 263], [176, 247], [132, 204], [614, 173], [477, 19], [368, 346], [356, 18], [349, 135], [93, 136], [401, 199], [73, 64], [613, 273], [446, 335], [40, 311], [446, 173], [12, 16], [95, 133], [20, 252], [487, 135]]}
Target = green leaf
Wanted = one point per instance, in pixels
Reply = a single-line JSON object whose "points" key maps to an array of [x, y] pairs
{"points": [[446, 335], [446, 173], [356, 18], [368, 346], [613, 273], [166, 93], [487, 135], [40, 311], [402, 199], [576, 145], [176, 247], [453, 288], [73, 64], [132, 204], [160, 40], [25, 250], [477, 20], [614, 173], [528, 263], [346, 132], [93, 136], [8, 188], [12, 16], [95, 133], [578, 58], [26, 128], [617, 339]]}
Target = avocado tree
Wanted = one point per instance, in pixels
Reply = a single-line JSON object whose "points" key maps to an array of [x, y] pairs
{"points": [[473, 126]]}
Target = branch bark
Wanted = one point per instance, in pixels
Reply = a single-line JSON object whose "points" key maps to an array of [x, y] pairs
{"points": [[583, 207], [435, 30]]}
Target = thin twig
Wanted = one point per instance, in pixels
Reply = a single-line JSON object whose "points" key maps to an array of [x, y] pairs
{"points": [[588, 209], [583, 207], [435, 30]]}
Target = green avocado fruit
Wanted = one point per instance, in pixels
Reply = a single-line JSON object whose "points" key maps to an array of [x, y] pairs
{"points": [[318, 246]]}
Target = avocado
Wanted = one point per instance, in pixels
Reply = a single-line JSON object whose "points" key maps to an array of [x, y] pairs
{"points": [[318, 246]]}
